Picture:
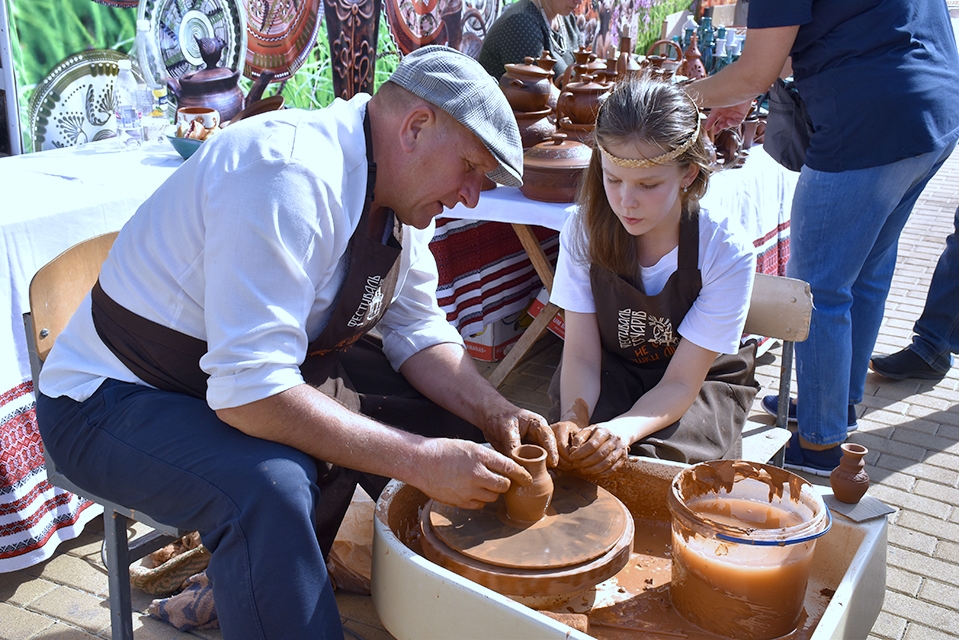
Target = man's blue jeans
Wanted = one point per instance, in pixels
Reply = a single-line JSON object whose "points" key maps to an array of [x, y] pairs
{"points": [[845, 230], [937, 330], [252, 500]]}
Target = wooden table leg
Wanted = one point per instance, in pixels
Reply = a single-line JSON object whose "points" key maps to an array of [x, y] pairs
{"points": [[527, 340], [536, 254]]}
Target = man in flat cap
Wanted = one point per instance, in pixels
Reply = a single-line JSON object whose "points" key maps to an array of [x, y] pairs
{"points": [[220, 376]]}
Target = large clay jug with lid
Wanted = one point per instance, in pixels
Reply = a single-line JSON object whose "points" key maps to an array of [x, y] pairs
{"points": [[526, 85], [580, 101], [213, 87]]}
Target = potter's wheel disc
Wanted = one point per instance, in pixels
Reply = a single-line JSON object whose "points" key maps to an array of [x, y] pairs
{"points": [[583, 522]]}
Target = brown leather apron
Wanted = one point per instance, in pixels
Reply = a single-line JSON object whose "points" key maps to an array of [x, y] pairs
{"points": [[639, 335]]}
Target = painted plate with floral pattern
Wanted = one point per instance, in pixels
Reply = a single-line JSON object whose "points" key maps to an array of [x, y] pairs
{"points": [[74, 103], [176, 25], [280, 35]]}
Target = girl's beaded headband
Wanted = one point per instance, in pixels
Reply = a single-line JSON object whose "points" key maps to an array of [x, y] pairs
{"points": [[645, 163]]}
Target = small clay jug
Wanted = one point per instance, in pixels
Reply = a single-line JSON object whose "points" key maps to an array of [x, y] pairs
{"points": [[849, 480], [526, 505], [626, 64], [692, 66]]}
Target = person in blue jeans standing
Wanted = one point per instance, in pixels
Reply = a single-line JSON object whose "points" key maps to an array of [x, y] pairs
{"points": [[880, 81], [936, 338]]}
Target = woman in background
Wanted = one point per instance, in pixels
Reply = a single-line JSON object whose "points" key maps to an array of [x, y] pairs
{"points": [[528, 28]]}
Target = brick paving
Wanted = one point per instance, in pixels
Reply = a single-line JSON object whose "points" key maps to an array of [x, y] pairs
{"points": [[910, 427]]}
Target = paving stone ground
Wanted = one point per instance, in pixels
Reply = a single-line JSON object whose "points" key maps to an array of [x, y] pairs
{"points": [[910, 427]]}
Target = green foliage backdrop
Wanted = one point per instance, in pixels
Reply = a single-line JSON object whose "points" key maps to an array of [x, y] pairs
{"points": [[44, 32]]}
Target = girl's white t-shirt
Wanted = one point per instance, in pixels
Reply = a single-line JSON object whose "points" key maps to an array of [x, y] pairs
{"points": [[727, 262]]}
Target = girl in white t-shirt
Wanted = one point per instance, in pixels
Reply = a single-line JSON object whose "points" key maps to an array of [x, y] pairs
{"points": [[654, 290]]}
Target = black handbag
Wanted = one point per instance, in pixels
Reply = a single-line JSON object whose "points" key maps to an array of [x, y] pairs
{"points": [[788, 127]]}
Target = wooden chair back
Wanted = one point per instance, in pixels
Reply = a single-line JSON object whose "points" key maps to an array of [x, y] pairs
{"points": [[58, 287]]}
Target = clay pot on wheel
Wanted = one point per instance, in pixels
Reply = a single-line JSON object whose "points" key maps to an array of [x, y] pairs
{"points": [[552, 169], [526, 86], [526, 505], [849, 480]]}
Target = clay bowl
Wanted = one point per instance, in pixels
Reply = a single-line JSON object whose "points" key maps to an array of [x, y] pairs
{"points": [[552, 169]]}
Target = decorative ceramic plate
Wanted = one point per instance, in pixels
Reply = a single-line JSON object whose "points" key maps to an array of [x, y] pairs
{"points": [[415, 23], [123, 4], [462, 25], [74, 103], [280, 35], [176, 24]]}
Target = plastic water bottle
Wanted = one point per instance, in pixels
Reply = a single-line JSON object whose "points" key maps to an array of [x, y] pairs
{"points": [[153, 90], [127, 109]]}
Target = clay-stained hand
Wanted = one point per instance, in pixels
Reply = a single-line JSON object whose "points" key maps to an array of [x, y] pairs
{"points": [[596, 451], [507, 431], [727, 117], [571, 422], [466, 474]]}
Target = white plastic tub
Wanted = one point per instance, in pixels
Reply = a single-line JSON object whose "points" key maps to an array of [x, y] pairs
{"points": [[418, 600]]}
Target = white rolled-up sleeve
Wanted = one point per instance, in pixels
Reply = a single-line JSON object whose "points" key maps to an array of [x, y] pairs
{"points": [[414, 320]]}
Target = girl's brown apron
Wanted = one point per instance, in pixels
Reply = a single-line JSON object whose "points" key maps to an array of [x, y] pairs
{"points": [[639, 335]]}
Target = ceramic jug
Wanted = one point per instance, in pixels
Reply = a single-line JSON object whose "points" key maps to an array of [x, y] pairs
{"points": [[527, 86], [213, 87], [580, 101], [849, 480], [526, 505]]}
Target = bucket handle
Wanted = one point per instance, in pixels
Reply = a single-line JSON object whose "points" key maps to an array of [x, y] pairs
{"points": [[779, 543]]}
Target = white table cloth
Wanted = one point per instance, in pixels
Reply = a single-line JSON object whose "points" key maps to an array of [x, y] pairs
{"points": [[759, 193], [49, 202]]}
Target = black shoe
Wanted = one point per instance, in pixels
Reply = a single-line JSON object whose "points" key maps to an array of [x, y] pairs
{"points": [[820, 463], [904, 364]]}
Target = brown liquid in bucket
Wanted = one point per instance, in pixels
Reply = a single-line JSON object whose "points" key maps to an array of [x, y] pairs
{"points": [[743, 536]]}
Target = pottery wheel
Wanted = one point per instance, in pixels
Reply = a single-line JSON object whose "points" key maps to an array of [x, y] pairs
{"points": [[583, 522], [585, 538]]}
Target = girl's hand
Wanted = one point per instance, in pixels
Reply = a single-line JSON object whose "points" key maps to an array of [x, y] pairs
{"points": [[595, 451], [572, 421]]}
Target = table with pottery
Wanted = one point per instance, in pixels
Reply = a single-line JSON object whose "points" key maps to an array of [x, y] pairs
{"points": [[490, 270]]}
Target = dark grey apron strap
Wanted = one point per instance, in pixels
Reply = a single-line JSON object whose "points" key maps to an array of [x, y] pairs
{"points": [[160, 356]]}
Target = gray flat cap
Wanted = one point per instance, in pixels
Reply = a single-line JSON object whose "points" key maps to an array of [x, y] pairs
{"points": [[457, 84]]}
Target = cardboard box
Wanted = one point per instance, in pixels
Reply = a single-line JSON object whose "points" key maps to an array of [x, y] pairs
{"points": [[495, 340], [557, 326]]}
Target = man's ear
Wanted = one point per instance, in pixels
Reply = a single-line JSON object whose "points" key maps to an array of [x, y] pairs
{"points": [[415, 125]]}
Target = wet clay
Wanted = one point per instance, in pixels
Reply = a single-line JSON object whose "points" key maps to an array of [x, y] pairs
{"points": [[637, 602], [526, 504], [584, 539]]}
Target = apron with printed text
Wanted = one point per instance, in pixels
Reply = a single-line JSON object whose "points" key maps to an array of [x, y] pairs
{"points": [[639, 335]]}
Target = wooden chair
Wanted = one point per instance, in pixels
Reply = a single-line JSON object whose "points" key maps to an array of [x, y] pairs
{"points": [[55, 293], [779, 308]]}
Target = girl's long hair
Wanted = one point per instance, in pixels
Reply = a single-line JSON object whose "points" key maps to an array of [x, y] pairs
{"points": [[640, 109]]}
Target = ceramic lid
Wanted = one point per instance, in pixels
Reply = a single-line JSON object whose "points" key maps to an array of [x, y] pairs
{"points": [[559, 152]]}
